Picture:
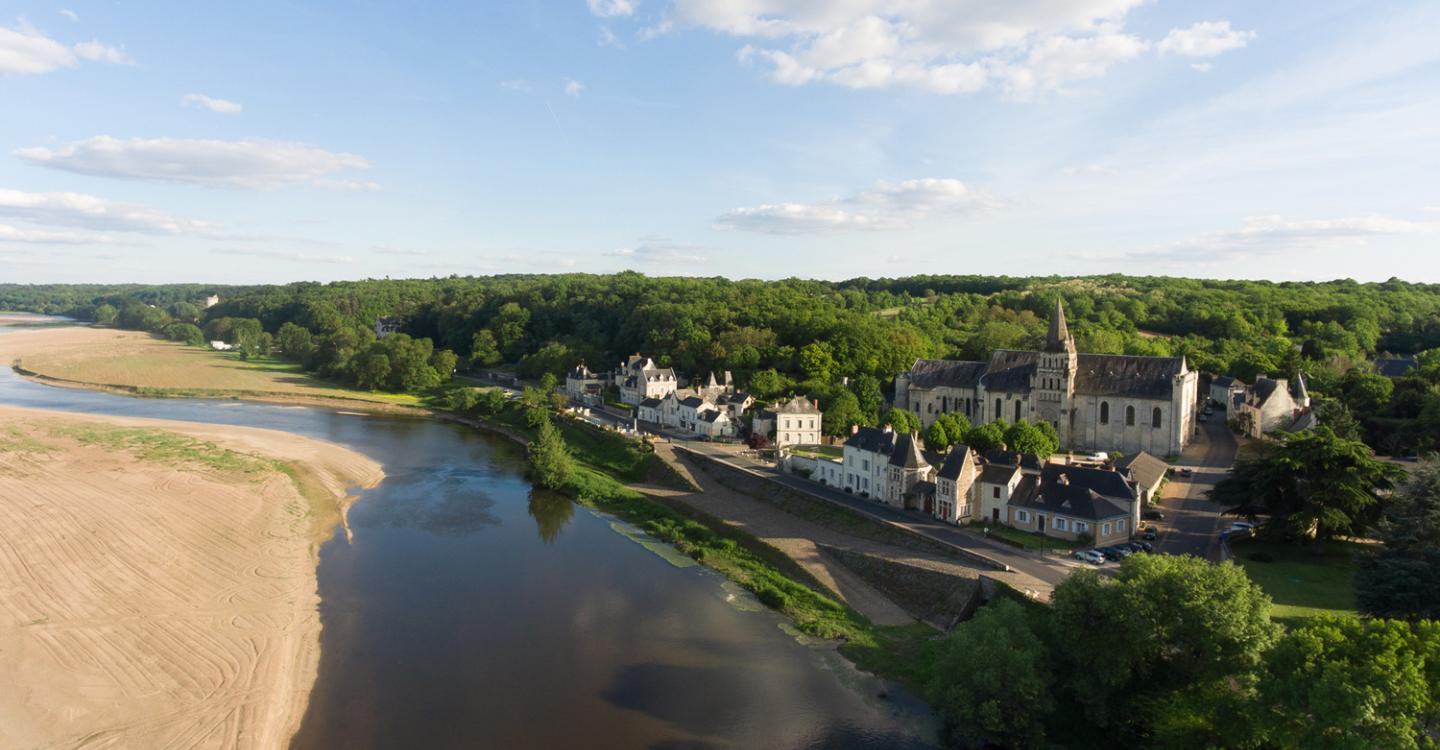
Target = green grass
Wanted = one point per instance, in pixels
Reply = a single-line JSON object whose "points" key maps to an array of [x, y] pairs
{"points": [[1302, 583], [1025, 539], [818, 451], [15, 440], [167, 447]]}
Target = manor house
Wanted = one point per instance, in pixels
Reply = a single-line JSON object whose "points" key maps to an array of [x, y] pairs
{"points": [[1096, 402]]}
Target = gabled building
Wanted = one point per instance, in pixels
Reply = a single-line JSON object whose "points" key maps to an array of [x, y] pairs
{"points": [[1070, 501], [584, 387], [1146, 472], [998, 484], [866, 454], [1275, 405], [957, 486], [639, 378], [1094, 401], [907, 474], [1223, 389], [794, 422]]}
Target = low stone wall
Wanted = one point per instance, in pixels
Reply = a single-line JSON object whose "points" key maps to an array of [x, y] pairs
{"points": [[939, 599]]}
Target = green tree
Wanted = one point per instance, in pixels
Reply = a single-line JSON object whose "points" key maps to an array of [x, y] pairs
{"points": [[372, 371], [816, 362], [843, 411], [509, 326], [185, 333], [1366, 393], [105, 315], [986, 437], [936, 437], [867, 391], [1313, 484], [993, 677], [296, 343], [550, 461], [1345, 684], [484, 349], [1029, 439], [957, 427], [492, 401], [769, 384], [901, 420], [443, 361], [1401, 580], [1163, 624]]}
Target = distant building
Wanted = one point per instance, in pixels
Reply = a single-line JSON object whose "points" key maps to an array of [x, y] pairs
{"points": [[1145, 471], [1395, 367], [1223, 389], [639, 378], [584, 387], [1275, 405], [1094, 401], [386, 326], [1071, 501], [220, 346], [794, 422], [212, 301]]}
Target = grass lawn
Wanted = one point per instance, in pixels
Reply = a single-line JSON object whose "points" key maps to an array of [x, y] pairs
{"points": [[1026, 539], [819, 451], [1302, 583]]}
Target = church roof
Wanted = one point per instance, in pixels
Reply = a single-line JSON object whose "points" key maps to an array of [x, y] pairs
{"points": [[1058, 338], [1127, 375], [1010, 371], [934, 373]]}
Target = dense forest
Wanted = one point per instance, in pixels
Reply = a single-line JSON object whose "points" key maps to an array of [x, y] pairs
{"points": [[842, 342]]}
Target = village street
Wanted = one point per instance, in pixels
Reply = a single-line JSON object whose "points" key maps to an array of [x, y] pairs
{"points": [[1193, 522]]}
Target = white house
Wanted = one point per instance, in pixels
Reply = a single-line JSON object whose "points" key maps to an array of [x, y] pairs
{"points": [[639, 378], [584, 387], [1275, 405], [1223, 389], [794, 422], [866, 456], [956, 489]]}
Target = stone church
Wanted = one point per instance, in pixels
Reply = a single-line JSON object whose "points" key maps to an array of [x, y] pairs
{"points": [[1096, 402]]}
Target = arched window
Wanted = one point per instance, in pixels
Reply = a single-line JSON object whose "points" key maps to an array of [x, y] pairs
{"points": [[1017, 410], [1129, 416], [1104, 412], [999, 410], [1155, 418]]}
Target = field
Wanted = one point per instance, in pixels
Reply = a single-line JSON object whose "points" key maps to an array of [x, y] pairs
{"points": [[1302, 583], [141, 364], [157, 579]]}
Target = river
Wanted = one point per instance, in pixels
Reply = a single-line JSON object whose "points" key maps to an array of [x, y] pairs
{"points": [[471, 610]]}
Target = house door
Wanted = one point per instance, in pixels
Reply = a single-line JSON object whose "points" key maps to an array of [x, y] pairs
{"points": [[1040, 523], [930, 506], [995, 514]]}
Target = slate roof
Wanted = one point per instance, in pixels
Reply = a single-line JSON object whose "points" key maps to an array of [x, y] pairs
{"points": [[1394, 367], [935, 373], [1306, 421], [1127, 376], [1072, 500], [998, 473], [872, 440], [1010, 371], [1012, 458], [955, 462], [1225, 381], [797, 405], [652, 403], [711, 416], [921, 489], [1261, 391], [692, 401], [1103, 481], [1143, 469], [907, 453]]}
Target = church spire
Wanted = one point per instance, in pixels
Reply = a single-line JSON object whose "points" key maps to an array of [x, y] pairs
{"points": [[1058, 340]]}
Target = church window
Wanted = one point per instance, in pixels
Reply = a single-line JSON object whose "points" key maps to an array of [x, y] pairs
{"points": [[1129, 416], [1017, 410], [1155, 418], [1104, 412], [999, 414]]}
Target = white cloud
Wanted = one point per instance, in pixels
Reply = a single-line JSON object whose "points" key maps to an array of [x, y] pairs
{"points": [[940, 46], [518, 84], [280, 255], [1272, 235], [348, 186], [223, 106], [47, 237], [608, 39], [1203, 67], [70, 14], [611, 8], [89, 212], [889, 205], [25, 50], [1204, 39], [573, 87], [97, 52], [657, 250], [249, 164]]}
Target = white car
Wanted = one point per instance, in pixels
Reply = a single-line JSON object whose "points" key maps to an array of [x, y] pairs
{"points": [[1090, 556]]}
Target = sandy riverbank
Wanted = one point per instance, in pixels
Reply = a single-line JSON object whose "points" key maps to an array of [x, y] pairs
{"points": [[157, 579], [136, 363]]}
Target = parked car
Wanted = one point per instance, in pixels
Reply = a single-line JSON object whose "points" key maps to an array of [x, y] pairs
{"points": [[1242, 525], [1187, 472], [1203, 418], [1116, 553], [1149, 534], [1144, 546], [1153, 514], [1090, 556]]}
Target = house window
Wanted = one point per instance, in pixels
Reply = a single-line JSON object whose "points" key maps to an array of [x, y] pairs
{"points": [[1155, 418], [1060, 524], [1080, 527], [1105, 530], [1104, 412], [996, 492], [1129, 416], [1022, 516], [1120, 526]]}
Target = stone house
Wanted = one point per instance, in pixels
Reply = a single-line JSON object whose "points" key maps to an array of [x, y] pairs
{"points": [[1275, 405], [1069, 501], [866, 454], [794, 422], [639, 378], [1146, 472], [906, 474], [648, 410], [1223, 389], [956, 485], [1094, 401], [998, 484], [584, 387]]}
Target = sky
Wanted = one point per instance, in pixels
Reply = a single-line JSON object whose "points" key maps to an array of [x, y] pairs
{"points": [[265, 141]]}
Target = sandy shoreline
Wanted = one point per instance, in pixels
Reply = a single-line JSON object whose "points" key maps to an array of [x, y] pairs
{"points": [[151, 599]]}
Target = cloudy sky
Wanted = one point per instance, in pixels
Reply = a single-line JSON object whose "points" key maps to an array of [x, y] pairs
{"points": [[268, 142]]}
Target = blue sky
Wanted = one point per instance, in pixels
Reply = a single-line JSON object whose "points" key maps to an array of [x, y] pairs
{"points": [[272, 142]]}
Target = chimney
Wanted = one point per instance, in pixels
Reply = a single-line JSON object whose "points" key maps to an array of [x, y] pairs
{"points": [[887, 428], [854, 429]]}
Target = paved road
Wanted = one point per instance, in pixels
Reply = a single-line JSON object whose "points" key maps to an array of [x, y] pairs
{"points": [[1048, 570], [1193, 523]]}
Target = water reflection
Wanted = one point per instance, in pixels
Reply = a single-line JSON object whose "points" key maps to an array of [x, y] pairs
{"points": [[551, 512]]}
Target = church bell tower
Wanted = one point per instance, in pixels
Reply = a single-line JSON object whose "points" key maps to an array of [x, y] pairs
{"points": [[1054, 385]]}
